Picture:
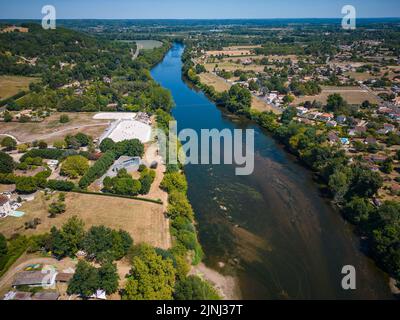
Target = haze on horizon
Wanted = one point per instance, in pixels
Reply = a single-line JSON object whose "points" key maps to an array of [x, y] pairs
{"points": [[195, 9]]}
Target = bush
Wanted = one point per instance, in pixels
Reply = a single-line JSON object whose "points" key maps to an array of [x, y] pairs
{"points": [[104, 244], [174, 181], [98, 169], [179, 206], [8, 143], [26, 185], [194, 288], [74, 166], [64, 118], [44, 154], [60, 185]]}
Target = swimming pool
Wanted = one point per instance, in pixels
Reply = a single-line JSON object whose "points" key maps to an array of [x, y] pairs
{"points": [[17, 214]]}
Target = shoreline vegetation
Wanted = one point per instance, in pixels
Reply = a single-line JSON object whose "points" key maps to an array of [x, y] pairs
{"points": [[167, 268], [350, 188]]}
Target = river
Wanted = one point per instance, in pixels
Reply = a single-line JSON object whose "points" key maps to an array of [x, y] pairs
{"points": [[272, 229]]}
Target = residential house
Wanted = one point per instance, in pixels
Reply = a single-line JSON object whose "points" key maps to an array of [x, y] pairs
{"points": [[332, 137], [370, 140], [341, 119], [34, 279], [389, 127], [301, 111], [325, 117], [331, 124]]}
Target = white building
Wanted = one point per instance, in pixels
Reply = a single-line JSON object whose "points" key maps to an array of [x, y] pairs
{"points": [[5, 207]]}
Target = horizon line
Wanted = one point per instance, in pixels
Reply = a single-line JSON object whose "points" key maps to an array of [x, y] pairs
{"points": [[209, 19]]}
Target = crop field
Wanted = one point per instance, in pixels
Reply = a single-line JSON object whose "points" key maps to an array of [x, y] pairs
{"points": [[11, 85], [144, 221], [353, 95]]}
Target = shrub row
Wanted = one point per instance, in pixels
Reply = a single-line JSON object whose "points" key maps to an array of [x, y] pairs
{"points": [[98, 169]]}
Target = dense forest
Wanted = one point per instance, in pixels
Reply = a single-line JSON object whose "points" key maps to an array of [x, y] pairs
{"points": [[80, 72]]}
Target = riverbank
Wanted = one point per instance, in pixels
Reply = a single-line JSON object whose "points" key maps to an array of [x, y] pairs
{"points": [[227, 286], [302, 243]]}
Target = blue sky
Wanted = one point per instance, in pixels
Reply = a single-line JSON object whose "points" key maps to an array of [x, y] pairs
{"points": [[197, 9]]}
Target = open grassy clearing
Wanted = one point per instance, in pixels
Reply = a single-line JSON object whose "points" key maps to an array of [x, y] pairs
{"points": [[11, 85], [148, 44], [232, 66], [218, 83], [221, 85], [51, 129], [144, 221], [353, 95]]}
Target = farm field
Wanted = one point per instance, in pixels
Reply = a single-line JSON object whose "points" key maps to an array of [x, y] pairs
{"points": [[51, 129], [144, 221], [353, 95], [11, 85]]}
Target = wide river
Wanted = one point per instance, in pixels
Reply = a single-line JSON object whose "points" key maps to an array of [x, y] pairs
{"points": [[290, 242]]}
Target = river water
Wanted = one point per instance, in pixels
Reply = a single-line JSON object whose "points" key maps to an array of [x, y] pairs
{"points": [[272, 229]]}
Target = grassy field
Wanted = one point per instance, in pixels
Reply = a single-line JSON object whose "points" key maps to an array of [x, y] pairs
{"points": [[11, 85], [221, 85], [353, 95], [148, 44], [144, 221], [232, 66], [51, 129], [217, 82]]}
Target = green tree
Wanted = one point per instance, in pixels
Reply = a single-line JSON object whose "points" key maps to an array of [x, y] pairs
{"points": [[8, 143], [358, 210], [108, 277], [85, 281], [64, 118], [83, 139], [288, 114], [174, 181], [56, 208], [6, 163], [59, 144], [74, 166], [336, 103], [179, 205], [151, 276], [107, 144], [7, 117], [68, 240], [3, 246], [339, 183], [105, 244], [26, 185], [194, 288]]}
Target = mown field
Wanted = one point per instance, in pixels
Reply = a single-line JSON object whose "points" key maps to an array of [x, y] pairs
{"points": [[144, 221], [51, 129], [353, 95], [148, 44], [11, 85]]}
